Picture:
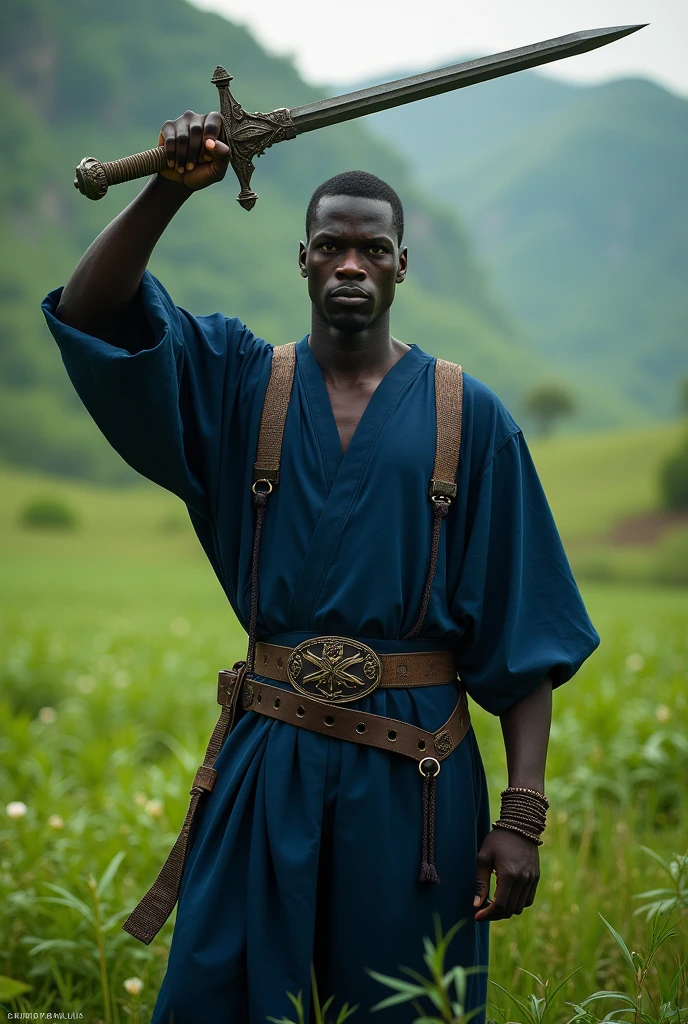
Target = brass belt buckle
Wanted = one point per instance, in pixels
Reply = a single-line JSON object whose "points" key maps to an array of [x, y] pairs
{"points": [[334, 669]]}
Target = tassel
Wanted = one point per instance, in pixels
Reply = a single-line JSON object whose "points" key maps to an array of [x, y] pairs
{"points": [[428, 872]]}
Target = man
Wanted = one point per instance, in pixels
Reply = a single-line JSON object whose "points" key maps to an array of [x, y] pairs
{"points": [[307, 847]]}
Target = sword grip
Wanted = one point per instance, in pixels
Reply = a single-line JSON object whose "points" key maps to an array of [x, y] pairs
{"points": [[93, 178], [247, 135]]}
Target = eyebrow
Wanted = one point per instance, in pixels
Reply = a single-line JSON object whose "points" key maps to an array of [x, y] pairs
{"points": [[324, 235]]}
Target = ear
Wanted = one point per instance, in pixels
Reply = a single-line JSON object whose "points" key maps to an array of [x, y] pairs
{"points": [[302, 259], [403, 265]]}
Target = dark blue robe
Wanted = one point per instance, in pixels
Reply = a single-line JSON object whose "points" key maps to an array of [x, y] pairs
{"points": [[308, 848]]}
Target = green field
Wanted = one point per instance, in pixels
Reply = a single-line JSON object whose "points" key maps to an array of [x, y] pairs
{"points": [[94, 623]]}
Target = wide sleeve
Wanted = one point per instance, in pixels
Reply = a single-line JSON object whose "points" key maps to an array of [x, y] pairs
{"points": [[161, 392], [521, 612]]}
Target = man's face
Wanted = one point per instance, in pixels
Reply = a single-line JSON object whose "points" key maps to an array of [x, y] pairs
{"points": [[353, 261]]}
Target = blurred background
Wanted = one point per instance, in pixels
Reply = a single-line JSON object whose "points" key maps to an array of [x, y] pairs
{"points": [[547, 219]]}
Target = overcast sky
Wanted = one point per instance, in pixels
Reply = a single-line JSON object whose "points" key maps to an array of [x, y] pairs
{"points": [[343, 42]]}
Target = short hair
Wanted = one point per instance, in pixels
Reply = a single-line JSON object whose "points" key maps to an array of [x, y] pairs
{"points": [[358, 183]]}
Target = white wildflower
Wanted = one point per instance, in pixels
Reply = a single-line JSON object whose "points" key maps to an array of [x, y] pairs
{"points": [[16, 809], [154, 807], [47, 715], [55, 821], [662, 713], [133, 986]]}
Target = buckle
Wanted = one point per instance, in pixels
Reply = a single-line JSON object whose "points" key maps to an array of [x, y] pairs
{"points": [[334, 669]]}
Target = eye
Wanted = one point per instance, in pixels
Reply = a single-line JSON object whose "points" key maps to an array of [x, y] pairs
{"points": [[377, 250], [328, 247]]}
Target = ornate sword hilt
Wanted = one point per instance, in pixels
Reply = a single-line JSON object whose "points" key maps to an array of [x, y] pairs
{"points": [[247, 135]]}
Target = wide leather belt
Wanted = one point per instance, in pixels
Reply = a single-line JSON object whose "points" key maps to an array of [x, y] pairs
{"points": [[337, 669], [349, 724]]}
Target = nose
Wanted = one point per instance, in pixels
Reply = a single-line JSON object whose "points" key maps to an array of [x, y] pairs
{"points": [[349, 268]]}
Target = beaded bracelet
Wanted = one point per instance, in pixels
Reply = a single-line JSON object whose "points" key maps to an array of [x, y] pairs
{"points": [[524, 811]]}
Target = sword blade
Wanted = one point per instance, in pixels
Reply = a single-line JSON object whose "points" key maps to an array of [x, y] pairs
{"points": [[457, 76]]}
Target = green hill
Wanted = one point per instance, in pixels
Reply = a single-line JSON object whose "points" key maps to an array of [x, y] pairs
{"points": [[78, 78], [577, 200]]}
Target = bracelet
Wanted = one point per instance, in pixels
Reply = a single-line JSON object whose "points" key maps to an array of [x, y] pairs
{"points": [[515, 828], [524, 811], [531, 792]]}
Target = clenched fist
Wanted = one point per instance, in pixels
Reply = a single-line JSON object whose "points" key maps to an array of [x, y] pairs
{"points": [[195, 156]]}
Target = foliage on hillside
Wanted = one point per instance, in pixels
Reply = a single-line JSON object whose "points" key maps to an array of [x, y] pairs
{"points": [[577, 199]]}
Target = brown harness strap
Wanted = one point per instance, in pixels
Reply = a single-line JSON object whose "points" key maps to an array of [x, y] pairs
{"points": [[150, 914], [443, 486], [274, 415]]}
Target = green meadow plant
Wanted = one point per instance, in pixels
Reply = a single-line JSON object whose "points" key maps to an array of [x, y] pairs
{"points": [[444, 988], [321, 1013]]}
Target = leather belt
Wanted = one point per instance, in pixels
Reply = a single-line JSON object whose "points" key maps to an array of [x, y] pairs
{"points": [[349, 724], [337, 669]]}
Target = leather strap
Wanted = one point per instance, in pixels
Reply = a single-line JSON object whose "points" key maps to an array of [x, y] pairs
{"points": [[151, 912], [274, 415], [357, 726], [443, 486], [448, 406], [417, 668]]}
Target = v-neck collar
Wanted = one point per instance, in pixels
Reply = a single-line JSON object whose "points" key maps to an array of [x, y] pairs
{"points": [[378, 404]]}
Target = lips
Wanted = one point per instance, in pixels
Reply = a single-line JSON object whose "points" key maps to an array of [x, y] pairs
{"points": [[349, 296]]}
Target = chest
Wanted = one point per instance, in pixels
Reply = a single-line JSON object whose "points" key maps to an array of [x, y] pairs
{"points": [[348, 405]]}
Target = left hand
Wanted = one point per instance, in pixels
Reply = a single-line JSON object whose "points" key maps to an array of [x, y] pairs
{"points": [[516, 862]]}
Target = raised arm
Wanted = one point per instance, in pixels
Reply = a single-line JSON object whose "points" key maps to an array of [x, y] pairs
{"points": [[109, 273]]}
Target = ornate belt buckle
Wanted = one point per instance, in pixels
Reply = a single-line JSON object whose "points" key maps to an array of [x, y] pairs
{"points": [[334, 669]]}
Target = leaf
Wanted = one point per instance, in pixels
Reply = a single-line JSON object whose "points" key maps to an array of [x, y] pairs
{"points": [[41, 947], [10, 989], [346, 1012], [621, 944], [394, 1001], [602, 994], [562, 983], [473, 1013], [69, 899], [396, 983], [655, 856], [110, 872], [518, 1003]]}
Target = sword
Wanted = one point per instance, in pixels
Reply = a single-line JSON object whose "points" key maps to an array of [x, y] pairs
{"points": [[249, 135]]}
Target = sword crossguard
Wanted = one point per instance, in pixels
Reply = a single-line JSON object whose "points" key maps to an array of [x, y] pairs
{"points": [[247, 136]]}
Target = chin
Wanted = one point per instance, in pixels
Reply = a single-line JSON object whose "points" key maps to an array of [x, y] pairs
{"points": [[350, 323]]}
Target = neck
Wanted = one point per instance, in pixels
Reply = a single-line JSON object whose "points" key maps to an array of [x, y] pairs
{"points": [[348, 355]]}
